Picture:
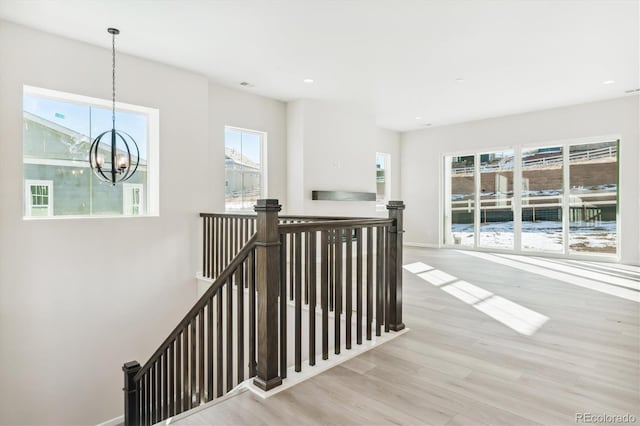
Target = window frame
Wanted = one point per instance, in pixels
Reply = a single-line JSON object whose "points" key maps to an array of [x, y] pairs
{"points": [[263, 164], [152, 195], [444, 190], [127, 187], [387, 181], [28, 183]]}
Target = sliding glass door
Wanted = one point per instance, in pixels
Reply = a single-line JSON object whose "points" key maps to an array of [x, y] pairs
{"points": [[542, 195], [496, 199], [462, 204], [557, 199], [593, 176]]}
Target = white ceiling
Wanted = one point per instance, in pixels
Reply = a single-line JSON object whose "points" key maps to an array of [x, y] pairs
{"points": [[401, 57]]}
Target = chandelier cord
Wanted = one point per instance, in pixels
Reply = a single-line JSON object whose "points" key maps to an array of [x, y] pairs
{"points": [[113, 79]]}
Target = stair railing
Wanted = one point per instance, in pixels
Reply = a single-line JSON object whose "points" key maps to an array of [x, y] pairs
{"points": [[266, 265]]}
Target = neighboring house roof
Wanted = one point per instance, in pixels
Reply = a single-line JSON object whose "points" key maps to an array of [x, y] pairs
{"points": [[233, 156], [57, 142]]}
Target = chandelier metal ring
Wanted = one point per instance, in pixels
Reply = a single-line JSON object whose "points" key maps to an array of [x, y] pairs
{"points": [[119, 165]]}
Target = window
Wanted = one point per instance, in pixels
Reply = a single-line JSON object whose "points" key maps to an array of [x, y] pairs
{"points": [[58, 129], [39, 198], [383, 179], [559, 199], [496, 199], [460, 212], [133, 200], [244, 168]]}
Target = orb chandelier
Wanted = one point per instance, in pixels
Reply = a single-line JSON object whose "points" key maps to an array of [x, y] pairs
{"points": [[110, 155]]}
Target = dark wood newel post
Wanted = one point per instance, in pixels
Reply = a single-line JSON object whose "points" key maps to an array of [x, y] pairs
{"points": [[268, 280], [131, 405], [395, 265]]}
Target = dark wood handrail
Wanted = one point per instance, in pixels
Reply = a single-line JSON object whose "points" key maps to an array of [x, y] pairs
{"points": [[286, 217], [288, 228], [219, 282]]}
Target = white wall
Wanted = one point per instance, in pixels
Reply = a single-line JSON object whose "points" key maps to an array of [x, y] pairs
{"points": [[422, 151], [332, 147], [228, 107], [79, 297]]}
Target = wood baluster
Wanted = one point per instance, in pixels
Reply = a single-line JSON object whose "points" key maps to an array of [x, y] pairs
{"points": [[205, 242], [252, 313], [324, 292], [172, 389], [298, 302], [147, 397], [359, 286], [292, 266], [200, 394], [154, 394], [144, 401], [348, 287], [164, 401], [225, 244], [219, 327], [246, 239], [210, 240], [192, 362], [332, 241], [141, 393], [312, 298], [369, 281], [238, 225], [337, 322], [178, 405], [212, 243], [386, 279], [306, 268], [379, 278], [209, 349], [186, 394], [240, 322], [229, 357], [220, 244], [283, 306]]}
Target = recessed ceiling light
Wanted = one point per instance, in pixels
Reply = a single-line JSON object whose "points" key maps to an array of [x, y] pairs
{"points": [[308, 80], [632, 90], [246, 84], [608, 82], [427, 125], [459, 80], [418, 118]]}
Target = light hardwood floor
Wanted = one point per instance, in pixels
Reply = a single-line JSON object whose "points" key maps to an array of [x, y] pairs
{"points": [[458, 366]]}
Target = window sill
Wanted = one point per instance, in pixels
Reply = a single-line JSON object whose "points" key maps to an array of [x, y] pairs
{"points": [[79, 217]]}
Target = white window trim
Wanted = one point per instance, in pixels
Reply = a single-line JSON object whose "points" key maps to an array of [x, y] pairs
{"points": [[387, 181], [28, 183], [263, 163], [152, 196]]}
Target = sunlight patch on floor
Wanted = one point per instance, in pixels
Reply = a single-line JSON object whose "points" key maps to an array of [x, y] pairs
{"points": [[417, 267], [523, 263], [437, 277], [517, 317]]}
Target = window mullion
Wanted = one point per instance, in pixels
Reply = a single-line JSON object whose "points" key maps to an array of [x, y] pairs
{"points": [[476, 212], [516, 201], [566, 199]]}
